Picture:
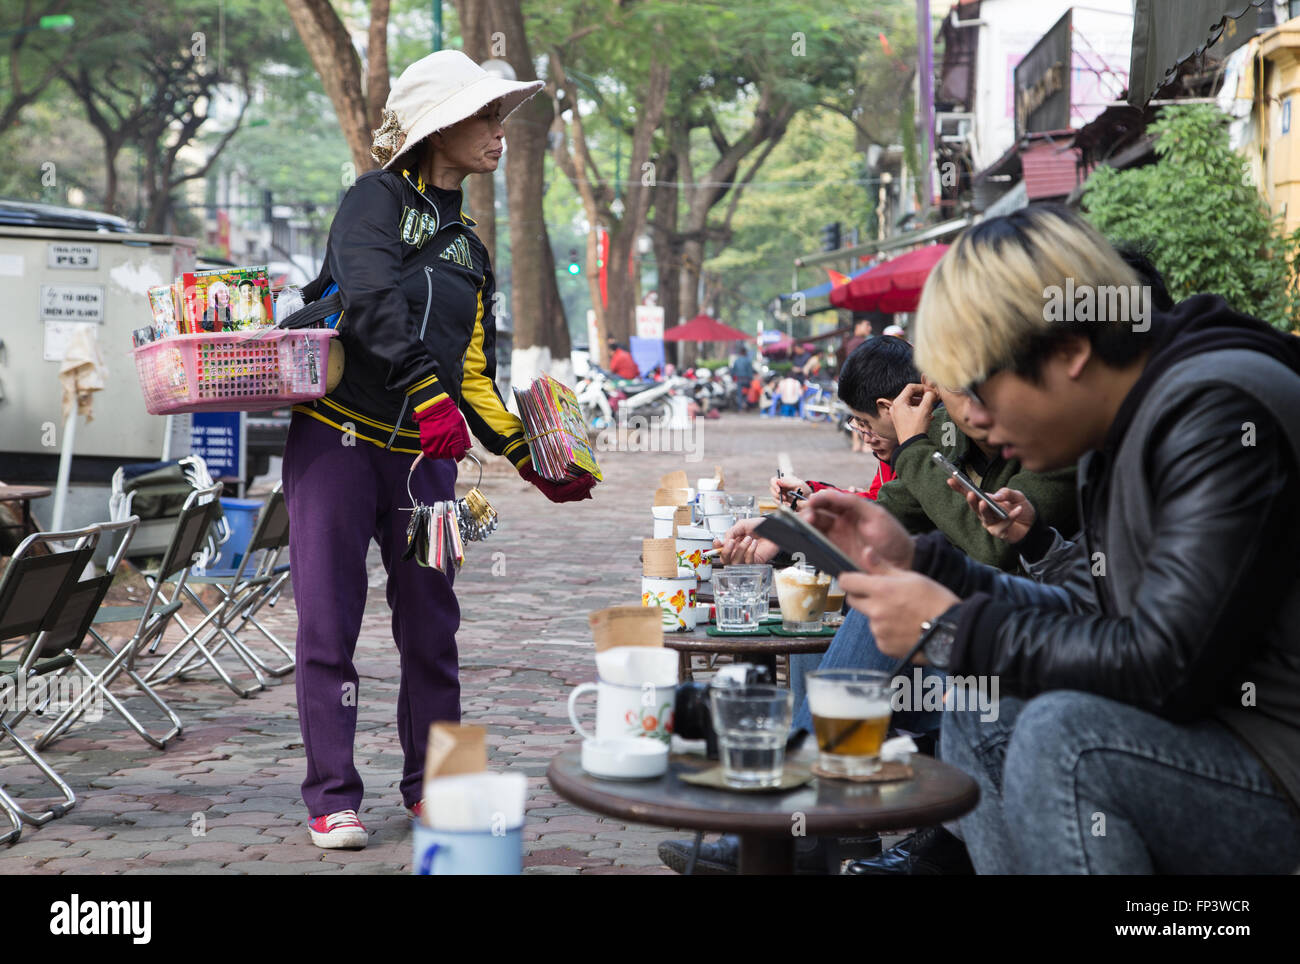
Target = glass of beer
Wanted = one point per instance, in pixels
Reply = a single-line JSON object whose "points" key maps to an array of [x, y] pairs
{"points": [[850, 712]]}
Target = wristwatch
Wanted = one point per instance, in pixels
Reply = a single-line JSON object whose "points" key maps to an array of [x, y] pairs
{"points": [[938, 636]]}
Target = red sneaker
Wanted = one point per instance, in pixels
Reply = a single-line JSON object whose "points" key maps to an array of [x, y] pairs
{"points": [[416, 811], [338, 831]]}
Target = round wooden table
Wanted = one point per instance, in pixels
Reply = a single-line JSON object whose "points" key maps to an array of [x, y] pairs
{"points": [[761, 650], [768, 823], [23, 495]]}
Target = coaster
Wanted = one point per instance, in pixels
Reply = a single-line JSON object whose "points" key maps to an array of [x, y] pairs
{"points": [[757, 631], [792, 776], [824, 631], [890, 771]]}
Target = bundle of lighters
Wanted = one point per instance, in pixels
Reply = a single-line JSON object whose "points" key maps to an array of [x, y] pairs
{"points": [[436, 534], [433, 537]]}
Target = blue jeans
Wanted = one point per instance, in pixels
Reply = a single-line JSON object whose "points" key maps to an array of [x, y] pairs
{"points": [[854, 647], [1074, 783]]}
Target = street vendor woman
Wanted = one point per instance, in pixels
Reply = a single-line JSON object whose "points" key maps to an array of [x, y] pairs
{"points": [[406, 261]]}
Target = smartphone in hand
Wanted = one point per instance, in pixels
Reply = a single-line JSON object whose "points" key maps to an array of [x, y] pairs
{"points": [[947, 465]]}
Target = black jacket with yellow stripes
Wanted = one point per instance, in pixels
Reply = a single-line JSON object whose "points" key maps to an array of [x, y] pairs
{"points": [[405, 259]]}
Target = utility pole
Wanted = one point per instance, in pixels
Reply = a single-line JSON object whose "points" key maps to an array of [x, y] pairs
{"points": [[925, 91]]}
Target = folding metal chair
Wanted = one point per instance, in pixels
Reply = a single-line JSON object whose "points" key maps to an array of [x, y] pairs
{"points": [[84, 607], [33, 592], [191, 530], [245, 590]]}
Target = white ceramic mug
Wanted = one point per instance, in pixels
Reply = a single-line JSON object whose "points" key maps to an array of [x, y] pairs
{"points": [[624, 711], [692, 544], [664, 520], [712, 503], [675, 598], [719, 524]]}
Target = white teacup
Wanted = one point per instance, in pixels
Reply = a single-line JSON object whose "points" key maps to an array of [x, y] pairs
{"points": [[712, 503], [675, 598], [720, 523], [624, 711], [664, 520]]}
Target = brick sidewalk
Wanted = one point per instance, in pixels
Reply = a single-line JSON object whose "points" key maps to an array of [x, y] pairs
{"points": [[524, 643]]}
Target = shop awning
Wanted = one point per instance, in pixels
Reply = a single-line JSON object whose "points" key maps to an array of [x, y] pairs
{"points": [[893, 286], [1050, 170], [1168, 32]]}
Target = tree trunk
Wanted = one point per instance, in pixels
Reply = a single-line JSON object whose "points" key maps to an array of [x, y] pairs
{"points": [[377, 59], [330, 47], [480, 189], [667, 242], [641, 179], [541, 332]]}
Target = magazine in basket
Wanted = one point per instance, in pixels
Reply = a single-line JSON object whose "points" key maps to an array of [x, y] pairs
{"points": [[226, 299]]}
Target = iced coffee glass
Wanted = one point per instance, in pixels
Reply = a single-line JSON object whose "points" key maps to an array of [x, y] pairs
{"points": [[851, 709], [801, 591]]}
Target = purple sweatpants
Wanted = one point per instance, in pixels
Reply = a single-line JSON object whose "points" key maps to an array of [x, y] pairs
{"points": [[340, 496]]}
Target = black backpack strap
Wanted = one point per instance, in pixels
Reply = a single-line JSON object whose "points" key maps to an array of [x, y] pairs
{"points": [[314, 313]]}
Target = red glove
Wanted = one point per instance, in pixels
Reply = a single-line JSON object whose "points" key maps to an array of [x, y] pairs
{"points": [[573, 491], [443, 433]]}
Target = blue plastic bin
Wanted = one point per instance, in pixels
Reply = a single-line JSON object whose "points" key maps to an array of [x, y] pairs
{"points": [[242, 516]]}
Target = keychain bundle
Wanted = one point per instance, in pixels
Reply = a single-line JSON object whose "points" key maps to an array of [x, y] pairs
{"points": [[437, 533]]}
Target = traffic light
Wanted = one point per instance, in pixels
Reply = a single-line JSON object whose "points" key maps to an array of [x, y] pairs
{"points": [[831, 237], [574, 266]]}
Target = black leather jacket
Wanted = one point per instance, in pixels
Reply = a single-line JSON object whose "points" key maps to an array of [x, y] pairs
{"points": [[405, 259], [1181, 594]]}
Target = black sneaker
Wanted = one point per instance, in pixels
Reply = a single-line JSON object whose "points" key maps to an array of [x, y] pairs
{"points": [[813, 855], [930, 851]]}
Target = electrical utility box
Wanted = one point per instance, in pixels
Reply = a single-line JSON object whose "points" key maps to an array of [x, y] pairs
{"points": [[51, 281]]}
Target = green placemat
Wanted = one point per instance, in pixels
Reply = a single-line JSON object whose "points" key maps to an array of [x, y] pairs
{"points": [[792, 776], [824, 631], [765, 621], [760, 631]]}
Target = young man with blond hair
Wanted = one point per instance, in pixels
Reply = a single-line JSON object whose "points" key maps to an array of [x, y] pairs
{"points": [[1153, 722]]}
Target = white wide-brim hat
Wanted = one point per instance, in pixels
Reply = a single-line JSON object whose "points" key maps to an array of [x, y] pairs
{"points": [[435, 92]]}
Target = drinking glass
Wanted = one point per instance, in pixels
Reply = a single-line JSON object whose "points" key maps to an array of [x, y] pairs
{"points": [[801, 593], [741, 506], [851, 709], [759, 602], [752, 723], [736, 596]]}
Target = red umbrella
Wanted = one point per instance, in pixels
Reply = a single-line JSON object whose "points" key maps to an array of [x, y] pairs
{"points": [[704, 328], [781, 344], [893, 286]]}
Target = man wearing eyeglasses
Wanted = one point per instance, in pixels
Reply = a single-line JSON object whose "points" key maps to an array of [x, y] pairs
{"points": [[900, 415]]}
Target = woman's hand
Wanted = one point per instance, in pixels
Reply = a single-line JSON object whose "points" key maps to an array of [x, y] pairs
{"points": [[572, 491], [443, 432], [896, 602], [856, 524], [1020, 512], [740, 546]]}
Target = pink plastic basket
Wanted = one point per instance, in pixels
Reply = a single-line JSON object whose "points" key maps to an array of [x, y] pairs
{"points": [[240, 371]]}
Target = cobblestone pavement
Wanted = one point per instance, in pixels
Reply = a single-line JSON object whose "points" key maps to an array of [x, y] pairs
{"points": [[225, 797]]}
